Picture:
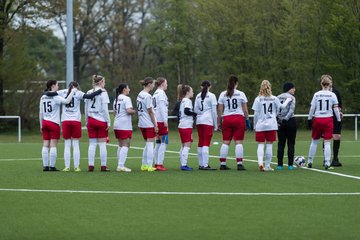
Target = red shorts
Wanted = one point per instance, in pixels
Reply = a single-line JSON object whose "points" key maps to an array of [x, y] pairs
{"points": [[123, 134], [205, 133], [71, 129], [162, 129], [268, 136], [97, 129], [148, 133], [233, 127], [50, 130], [322, 127], [185, 135]]}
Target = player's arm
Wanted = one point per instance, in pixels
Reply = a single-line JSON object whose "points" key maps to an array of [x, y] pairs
{"points": [[163, 112], [68, 98], [92, 95], [129, 108], [283, 105], [86, 111], [41, 115], [291, 110], [214, 116], [106, 115], [337, 112], [153, 118], [220, 109]]}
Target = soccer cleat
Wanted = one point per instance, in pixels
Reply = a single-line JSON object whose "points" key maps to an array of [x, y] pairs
{"points": [[309, 165], [77, 169], [144, 167], [160, 167], [206, 168], [329, 168], [186, 168], [53, 169], [240, 167], [224, 167], [66, 169], [336, 163], [90, 168], [261, 168], [104, 169], [268, 169], [290, 168], [46, 169], [123, 169], [280, 167], [151, 169]]}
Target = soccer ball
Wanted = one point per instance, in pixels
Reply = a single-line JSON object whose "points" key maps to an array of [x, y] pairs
{"points": [[300, 161]]}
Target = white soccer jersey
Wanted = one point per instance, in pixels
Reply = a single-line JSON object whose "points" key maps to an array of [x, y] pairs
{"points": [[143, 102], [203, 109], [71, 111], [94, 106], [233, 104], [323, 102], [161, 104], [185, 120], [122, 120], [266, 110], [50, 108]]}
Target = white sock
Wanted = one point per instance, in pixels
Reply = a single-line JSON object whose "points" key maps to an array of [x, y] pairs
{"points": [[144, 160], [76, 153], [150, 153], [239, 151], [67, 152], [92, 151], [205, 156], [161, 154], [156, 153], [184, 155], [53, 155], [327, 153], [180, 154], [45, 156], [103, 153], [260, 153], [200, 157], [118, 152], [122, 156], [268, 154], [312, 150], [224, 151]]}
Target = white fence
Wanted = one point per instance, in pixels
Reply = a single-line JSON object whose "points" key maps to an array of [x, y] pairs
{"points": [[19, 124]]}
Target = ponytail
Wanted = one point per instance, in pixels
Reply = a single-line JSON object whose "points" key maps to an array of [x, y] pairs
{"points": [[119, 90], [205, 87], [49, 84], [233, 80]]}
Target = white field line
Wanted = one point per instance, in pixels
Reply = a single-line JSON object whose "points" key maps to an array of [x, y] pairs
{"points": [[255, 161], [185, 193]]}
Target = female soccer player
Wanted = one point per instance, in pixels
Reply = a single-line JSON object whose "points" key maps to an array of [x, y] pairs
{"points": [[71, 124], [233, 110], [266, 107], [147, 123], [49, 116], [161, 104], [98, 123], [323, 104], [287, 127], [186, 125], [206, 123], [123, 110]]}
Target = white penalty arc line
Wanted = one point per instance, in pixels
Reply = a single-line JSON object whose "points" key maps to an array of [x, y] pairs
{"points": [[255, 161], [185, 193]]}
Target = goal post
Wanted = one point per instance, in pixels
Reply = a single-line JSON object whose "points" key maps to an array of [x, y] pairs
{"points": [[19, 124]]}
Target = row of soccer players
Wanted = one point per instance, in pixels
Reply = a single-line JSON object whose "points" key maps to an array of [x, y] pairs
{"points": [[153, 118]]}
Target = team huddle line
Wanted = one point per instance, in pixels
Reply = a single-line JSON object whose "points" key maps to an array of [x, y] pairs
{"points": [[273, 116]]}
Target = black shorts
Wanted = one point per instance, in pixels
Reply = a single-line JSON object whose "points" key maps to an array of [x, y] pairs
{"points": [[337, 127]]}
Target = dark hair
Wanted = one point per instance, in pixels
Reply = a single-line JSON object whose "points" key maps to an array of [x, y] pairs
{"points": [[205, 84], [159, 81], [233, 80], [184, 90], [147, 81], [119, 90], [71, 86], [49, 84]]}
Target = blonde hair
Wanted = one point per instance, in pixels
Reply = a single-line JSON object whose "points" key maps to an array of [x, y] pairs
{"points": [[265, 88], [326, 81], [96, 79]]}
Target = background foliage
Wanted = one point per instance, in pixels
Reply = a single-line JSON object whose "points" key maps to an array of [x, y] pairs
{"points": [[184, 41]]}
